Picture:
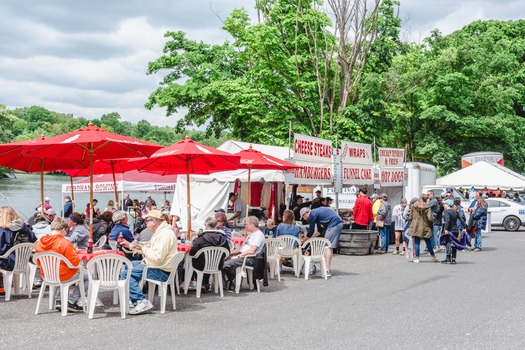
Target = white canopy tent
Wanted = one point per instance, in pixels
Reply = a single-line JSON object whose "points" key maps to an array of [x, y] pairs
{"points": [[484, 174]]}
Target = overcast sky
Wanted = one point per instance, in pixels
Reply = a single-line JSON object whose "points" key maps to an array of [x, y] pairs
{"points": [[89, 58]]}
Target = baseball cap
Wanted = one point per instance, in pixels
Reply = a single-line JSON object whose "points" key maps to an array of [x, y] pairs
{"points": [[329, 199], [220, 210], [47, 199], [156, 214], [297, 197], [375, 195], [450, 190], [444, 194], [51, 211], [449, 202], [303, 211]]}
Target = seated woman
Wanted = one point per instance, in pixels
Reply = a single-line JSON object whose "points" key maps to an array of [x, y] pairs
{"points": [[41, 227], [78, 232], [13, 230], [288, 226], [211, 237]]}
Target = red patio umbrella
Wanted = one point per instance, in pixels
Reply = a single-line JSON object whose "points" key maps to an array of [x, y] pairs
{"points": [[87, 145], [253, 159], [188, 157], [11, 156]]}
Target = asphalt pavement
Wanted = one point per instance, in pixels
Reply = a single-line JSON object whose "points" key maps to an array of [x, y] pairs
{"points": [[370, 302]]}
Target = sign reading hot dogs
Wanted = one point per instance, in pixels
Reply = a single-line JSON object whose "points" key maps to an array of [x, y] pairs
{"points": [[312, 149], [393, 157], [356, 153], [391, 177]]}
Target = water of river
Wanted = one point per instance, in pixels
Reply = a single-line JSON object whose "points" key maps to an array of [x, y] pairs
{"points": [[23, 194]]}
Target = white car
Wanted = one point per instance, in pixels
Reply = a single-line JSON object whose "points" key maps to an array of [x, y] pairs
{"points": [[506, 213]]}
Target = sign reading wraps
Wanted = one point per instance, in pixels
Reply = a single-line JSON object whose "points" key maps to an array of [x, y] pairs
{"points": [[391, 177], [391, 157], [356, 153]]}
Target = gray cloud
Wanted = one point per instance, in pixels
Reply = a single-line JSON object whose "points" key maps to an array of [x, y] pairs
{"points": [[89, 58]]}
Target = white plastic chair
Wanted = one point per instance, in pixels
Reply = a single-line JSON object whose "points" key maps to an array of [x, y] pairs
{"points": [[290, 249], [22, 267], [212, 259], [245, 271], [236, 233], [100, 243], [163, 286], [104, 273], [50, 266], [273, 257], [113, 244], [316, 254]]}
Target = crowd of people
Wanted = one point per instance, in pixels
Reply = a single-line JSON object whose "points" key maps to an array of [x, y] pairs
{"points": [[440, 222]]}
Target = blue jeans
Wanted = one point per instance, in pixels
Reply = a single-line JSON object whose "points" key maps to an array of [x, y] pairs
{"points": [[479, 240], [135, 292], [417, 241], [384, 232], [436, 229]]}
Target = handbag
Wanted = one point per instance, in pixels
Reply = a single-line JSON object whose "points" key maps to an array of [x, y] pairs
{"points": [[380, 223]]}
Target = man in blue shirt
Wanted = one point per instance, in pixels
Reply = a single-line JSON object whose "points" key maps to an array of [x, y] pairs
{"points": [[324, 218]]}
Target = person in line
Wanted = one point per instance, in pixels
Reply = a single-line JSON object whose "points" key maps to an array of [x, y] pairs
{"points": [[126, 202], [399, 222], [376, 204], [437, 212], [324, 217], [121, 227], [317, 201], [157, 252], [78, 232], [239, 206], [479, 214], [68, 206], [384, 214], [421, 226], [211, 237], [57, 243], [452, 238], [297, 205], [362, 213], [327, 202], [408, 243], [222, 223], [253, 244]]}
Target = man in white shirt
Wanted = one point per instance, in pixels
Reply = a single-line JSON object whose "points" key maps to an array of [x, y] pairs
{"points": [[254, 244], [238, 205]]}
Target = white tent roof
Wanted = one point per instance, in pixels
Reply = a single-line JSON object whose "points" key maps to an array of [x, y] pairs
{"points": [[276, 151], [484, 174]]}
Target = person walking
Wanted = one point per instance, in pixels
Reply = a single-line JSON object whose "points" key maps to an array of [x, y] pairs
{"points": [[452, 238], [421, 226], [399, 222]]}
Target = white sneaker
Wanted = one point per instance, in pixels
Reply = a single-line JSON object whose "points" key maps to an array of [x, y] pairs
{"points": [[142, 306]]}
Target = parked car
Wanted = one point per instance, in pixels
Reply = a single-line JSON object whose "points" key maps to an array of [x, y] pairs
{"points": [[506, 213]]}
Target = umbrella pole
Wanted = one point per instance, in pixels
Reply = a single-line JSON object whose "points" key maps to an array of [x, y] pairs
{"points": [[188, 202], [90, 241], [115, 185], [249, 198], [72, 195], [42, 208]]}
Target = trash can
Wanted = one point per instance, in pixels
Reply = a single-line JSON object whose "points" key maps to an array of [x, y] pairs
{"points": [[357, 242]]}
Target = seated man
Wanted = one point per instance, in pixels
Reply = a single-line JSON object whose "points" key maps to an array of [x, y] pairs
{"points": [[157, 252], [57, 243], [211, 237], [254, 244]]}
